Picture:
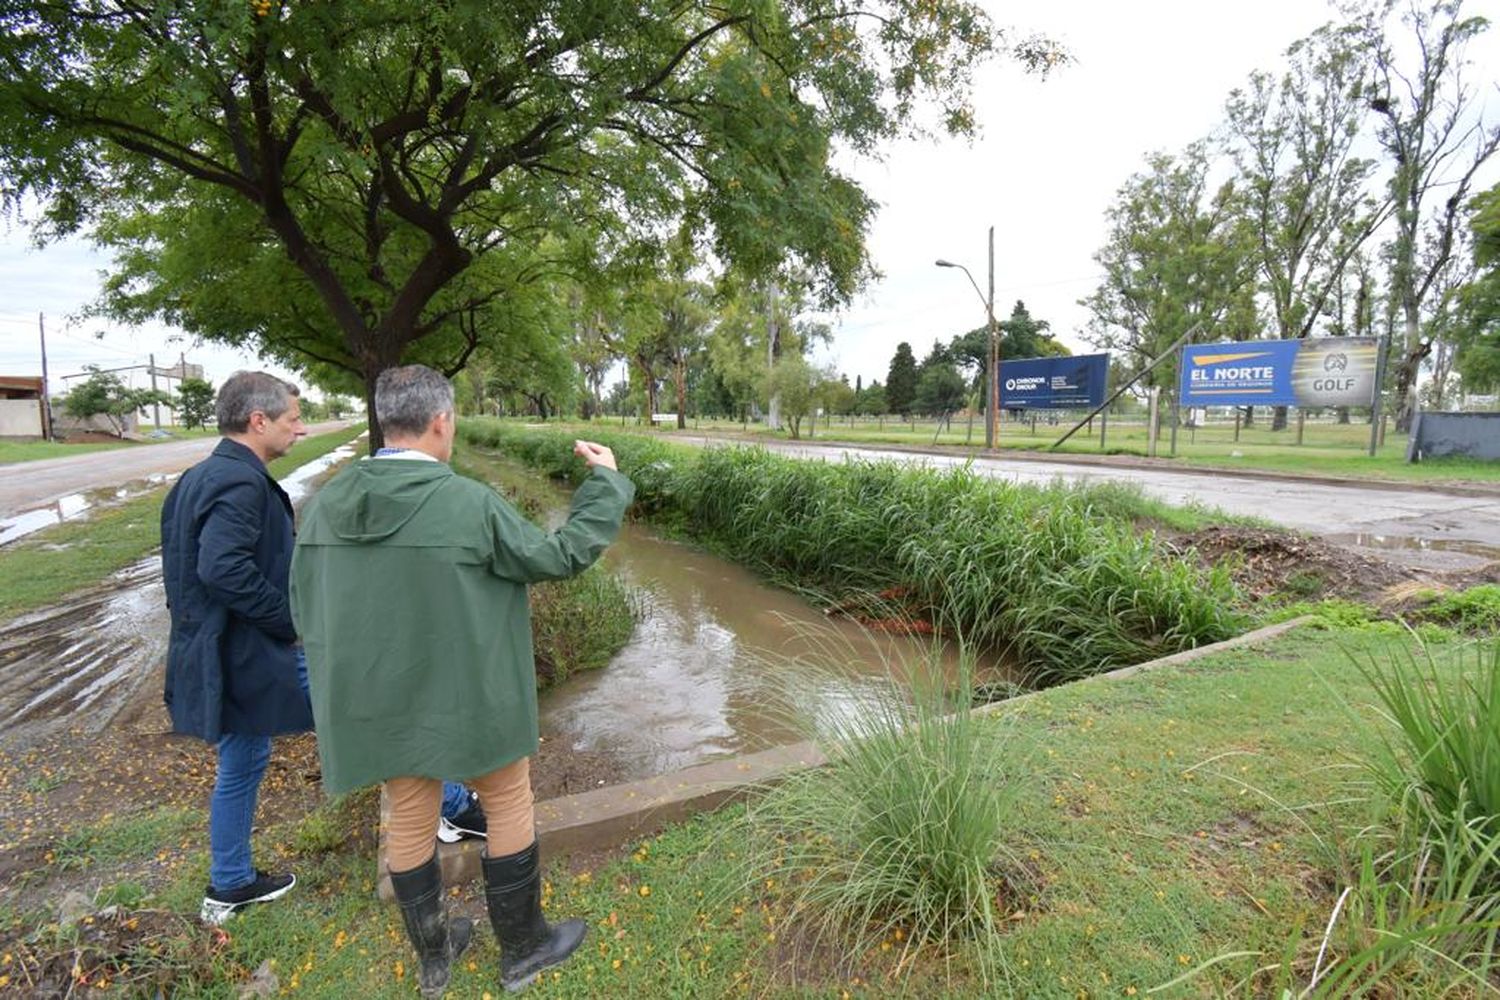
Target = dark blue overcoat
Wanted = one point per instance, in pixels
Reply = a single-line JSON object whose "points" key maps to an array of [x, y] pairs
{"points": [[226, 551]]}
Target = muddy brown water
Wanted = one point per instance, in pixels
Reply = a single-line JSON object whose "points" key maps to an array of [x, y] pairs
{"points": [[717, 664], [721, 661]]}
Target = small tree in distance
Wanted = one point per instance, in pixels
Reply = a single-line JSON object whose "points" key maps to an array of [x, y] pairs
{"points": [[195, 402], [105, 395]]}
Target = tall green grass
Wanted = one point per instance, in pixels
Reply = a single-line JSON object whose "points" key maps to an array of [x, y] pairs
{"points": [[1056, 577], [1426, 892], [900, 839]]}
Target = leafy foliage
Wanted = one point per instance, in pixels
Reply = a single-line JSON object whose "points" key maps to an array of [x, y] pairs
{"points": [[195, 402], [901, 380], [353, 185], [1178, 253], [103, 394]]}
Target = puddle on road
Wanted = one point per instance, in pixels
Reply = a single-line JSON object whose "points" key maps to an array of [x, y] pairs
{"points": [[719, 663], [82, 662], [1406, 543], [75, 506]]}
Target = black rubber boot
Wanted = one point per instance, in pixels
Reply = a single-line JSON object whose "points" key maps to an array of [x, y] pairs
{"points": [[438, 940], [528, 944]]}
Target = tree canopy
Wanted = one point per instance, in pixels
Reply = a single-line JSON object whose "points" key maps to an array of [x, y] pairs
{"points": [[350, 186]]}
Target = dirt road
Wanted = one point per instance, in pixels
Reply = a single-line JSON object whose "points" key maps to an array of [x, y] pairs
{"points": [[24, 485]]}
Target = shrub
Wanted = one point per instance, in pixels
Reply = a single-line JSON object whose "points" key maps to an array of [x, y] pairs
{"points": [[896, 838], [1476, 610]]}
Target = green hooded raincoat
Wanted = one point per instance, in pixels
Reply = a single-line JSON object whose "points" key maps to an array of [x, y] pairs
{"points": [[409, 592]]}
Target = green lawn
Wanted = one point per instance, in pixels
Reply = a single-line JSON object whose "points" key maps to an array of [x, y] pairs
{"points": [[1191, 821], [42, 567], [1327, 448], [31, 451]]}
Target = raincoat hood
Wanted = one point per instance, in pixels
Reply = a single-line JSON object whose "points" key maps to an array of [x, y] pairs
{"points": [[374, 498]]}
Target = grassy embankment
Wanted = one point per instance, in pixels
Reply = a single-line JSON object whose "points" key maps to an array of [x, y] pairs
{"points": [[1198, 821], [1059, 578], [49, 564], [1328, 449], [1186, 832]]}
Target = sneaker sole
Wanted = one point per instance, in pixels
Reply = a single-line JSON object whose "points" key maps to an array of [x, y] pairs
{"points": [[449, 834], [215, 913]]}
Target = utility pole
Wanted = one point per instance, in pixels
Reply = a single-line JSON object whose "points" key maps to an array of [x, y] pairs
{"points": [[155, 406], [992, 409], [41, 326]]}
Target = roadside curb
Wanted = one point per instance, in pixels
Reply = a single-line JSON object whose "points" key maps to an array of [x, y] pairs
{"points": [[606, 817]]}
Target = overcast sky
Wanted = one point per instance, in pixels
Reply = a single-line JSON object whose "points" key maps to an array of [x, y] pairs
{"points": [[1149, 75]]}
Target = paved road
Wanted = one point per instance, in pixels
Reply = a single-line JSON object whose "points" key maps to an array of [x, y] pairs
{"points": [[27, 485], [1416, 526]]}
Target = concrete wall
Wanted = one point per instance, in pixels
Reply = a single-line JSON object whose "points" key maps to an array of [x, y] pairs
{"points": [[20, 418], [1476, 435], [66, 425]]}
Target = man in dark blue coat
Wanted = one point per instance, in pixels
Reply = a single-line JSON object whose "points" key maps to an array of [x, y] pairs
{"points": [[232, 661]]}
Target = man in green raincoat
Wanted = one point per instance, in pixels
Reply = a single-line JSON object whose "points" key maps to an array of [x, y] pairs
{"points": [[409, 592]]}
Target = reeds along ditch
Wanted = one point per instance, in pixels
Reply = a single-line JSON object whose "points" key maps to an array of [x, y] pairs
{"points": [[1067, 586]]}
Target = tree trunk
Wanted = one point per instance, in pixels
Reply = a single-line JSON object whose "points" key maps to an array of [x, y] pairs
{"points": [[377, 439], [1249, 416], [1343, 414], [1407, 368], [681, 380], [1278, 418]]}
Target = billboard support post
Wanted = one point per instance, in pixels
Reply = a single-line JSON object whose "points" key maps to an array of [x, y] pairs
{"points": [[1153, 421], [1138, 376]]}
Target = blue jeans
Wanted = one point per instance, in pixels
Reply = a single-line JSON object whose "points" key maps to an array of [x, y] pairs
{"points": [[231, 810]]}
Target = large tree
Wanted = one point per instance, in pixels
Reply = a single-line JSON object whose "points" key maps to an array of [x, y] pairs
{"points": [[1478, 360], [1435, 141], [901, 380], [364, 160], [1294, 140], [1178, 253], [1021, 336]]}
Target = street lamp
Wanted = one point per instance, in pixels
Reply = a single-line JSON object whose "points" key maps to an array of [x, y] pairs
{"points": [[992, 372]]}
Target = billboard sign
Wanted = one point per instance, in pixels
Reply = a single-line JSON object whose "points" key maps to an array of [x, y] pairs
{"points": [[1069, 383], [1318, 371]]}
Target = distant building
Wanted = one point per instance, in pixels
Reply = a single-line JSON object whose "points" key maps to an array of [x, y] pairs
{"points": [[22, 412]]}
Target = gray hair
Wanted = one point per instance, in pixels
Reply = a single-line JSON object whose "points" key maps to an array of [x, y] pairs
{"points": [[408, 398], [245, 392]]}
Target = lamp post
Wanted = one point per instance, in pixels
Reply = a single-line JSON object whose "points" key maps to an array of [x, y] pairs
{"points": [[992, 371]]}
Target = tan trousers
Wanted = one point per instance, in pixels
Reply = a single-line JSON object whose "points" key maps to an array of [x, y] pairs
{"points": [[504, 794]]}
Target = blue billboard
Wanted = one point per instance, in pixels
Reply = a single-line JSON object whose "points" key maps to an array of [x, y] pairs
{"points": [[1069, 383], [1318, 371]]}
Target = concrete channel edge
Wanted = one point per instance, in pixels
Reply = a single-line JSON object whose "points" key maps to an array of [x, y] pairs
{"points": [[606, 817]]}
